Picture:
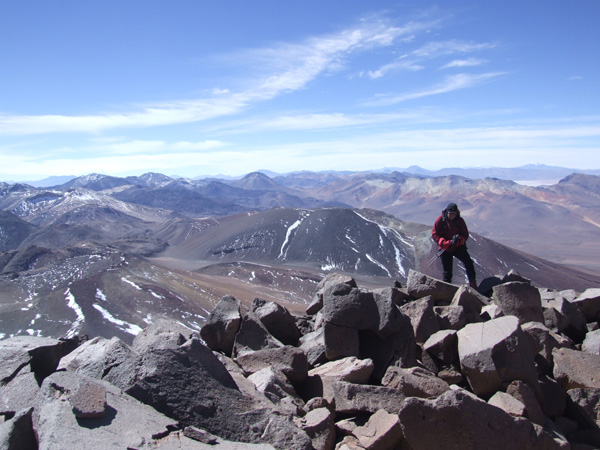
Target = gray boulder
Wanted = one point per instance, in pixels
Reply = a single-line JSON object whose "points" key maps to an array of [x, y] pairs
{"points": [[508, 403], [471, 301], [494, 352], [350, 369], [40, 355], [222, 325], [24, 363], [350, 307], [575, 369], [333, 278], [97, 357], [450, 317], [526, 395], [350, 398], [253, 336], [415, 382], [381, 432], [589, 401], [589, 303], [291, 361], [591, 343], [519, 299], [277, 320], [121, 422], [17, 433], [443, 346], [568, 317], [544, 340], [319, 424], [313, 345], [466, 423], [277, 388], [340, 341], [420, 285], [422, 318]]}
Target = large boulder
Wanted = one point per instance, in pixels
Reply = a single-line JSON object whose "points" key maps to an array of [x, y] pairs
{"points": [[24, 363], [591, 343], [561, 315], [589, 303], [350, 398], [277, 320], [253, 336], [415, 382], [347, 306], [519, 299], [179, 376], [381, 432], [420, 285], [575, 369], [222, 325], [350, 369], [471, 301], [119, 421], [494, 352], [333, 278], [291, 361], [589, 401], [422, 318], [17, 433], [319, 424], [457, 420]]}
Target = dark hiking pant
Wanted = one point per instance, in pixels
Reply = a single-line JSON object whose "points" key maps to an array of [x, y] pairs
{"points": [[462, 255]]}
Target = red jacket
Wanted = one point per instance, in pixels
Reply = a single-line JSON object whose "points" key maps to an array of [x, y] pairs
{"points": [[445, 229]]}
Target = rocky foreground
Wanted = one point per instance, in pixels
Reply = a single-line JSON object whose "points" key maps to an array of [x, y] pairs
{"points": [[426, 366]]}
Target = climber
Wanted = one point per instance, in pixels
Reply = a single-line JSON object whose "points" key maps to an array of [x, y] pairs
{"points": [[451, 234]]}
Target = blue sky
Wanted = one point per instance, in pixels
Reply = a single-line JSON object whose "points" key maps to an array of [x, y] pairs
{"points": [[199, 87]]}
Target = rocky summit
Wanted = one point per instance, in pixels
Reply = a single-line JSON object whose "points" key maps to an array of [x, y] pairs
{"points": [[428, 365]]}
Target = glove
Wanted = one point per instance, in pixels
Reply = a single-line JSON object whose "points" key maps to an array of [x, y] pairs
{"points": [[460, 241], [445, 243]]}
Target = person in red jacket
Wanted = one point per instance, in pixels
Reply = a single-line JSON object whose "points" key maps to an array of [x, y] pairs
{"points": [[451, 233]]}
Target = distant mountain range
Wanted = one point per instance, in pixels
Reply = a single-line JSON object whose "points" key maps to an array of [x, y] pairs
{"points": [[107, 255], [533, 173]]}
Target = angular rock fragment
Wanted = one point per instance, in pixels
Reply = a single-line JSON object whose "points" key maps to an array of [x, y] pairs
{"points": [[420, 285], [360, 398], [350, 369], [381, 432], [222, 325], [589, 303], [291, 361], [495, 352], [422, 317], [414, 382], [277, 320], [575, 369], [519, 299], [17, 433], [319, 424], [458, 420]]}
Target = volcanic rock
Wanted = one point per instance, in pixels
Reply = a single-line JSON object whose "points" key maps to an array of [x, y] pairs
{"points": [[495, 352]]}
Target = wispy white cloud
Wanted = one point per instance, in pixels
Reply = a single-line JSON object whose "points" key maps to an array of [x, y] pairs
{"points": [[450, 47], [280, 69], [451, 83], [416, 59], [469, 62]]}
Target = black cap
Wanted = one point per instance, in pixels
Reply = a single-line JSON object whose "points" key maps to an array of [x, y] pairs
{"points": [[452, 207]]}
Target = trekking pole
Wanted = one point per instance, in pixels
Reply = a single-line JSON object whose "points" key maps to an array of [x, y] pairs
{"points": [[436, 256]]}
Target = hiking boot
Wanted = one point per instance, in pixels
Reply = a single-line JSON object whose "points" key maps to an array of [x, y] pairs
{"points": [[473, 284]]}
